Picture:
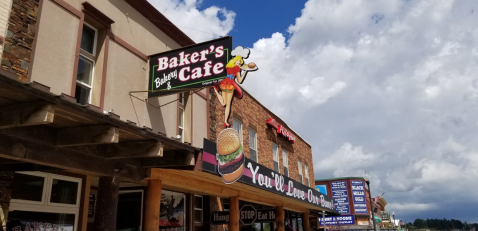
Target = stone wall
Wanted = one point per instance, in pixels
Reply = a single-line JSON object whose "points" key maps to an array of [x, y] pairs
{"points": [[254, 115], [5, 7], [18, 44]]}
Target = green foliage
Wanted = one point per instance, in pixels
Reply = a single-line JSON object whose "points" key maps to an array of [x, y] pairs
{"points": [[440, 224]]}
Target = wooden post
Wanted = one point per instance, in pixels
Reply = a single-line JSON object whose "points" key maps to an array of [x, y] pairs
{"points": [[306, 221], [153, 202], [107, 204], [86, 198], [280, 218], [234, 214]]}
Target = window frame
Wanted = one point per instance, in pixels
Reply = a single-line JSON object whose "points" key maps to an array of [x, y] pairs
{"points": [[84, 85], [306, 172], [274, 156], [95, 42], [240, 129], [181, 121], [64, 178], [285, 161], [299, 164], [255, 144], [201, 209], [181, 98], [45, 206]]}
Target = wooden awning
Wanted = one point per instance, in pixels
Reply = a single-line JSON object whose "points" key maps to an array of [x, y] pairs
{"points": [[39, 130]]}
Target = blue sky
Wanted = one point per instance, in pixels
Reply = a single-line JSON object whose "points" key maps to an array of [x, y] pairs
{"points": [[388, 87], [258, 19]]}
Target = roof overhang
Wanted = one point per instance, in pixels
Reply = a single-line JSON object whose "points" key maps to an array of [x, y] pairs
{"points": [[40, 130]]}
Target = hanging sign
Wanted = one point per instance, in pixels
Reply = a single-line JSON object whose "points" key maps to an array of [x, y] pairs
{"points": [[220, 217], [192, 67]]}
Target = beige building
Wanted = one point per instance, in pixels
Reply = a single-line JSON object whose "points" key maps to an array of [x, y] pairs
{"points": [[74, 103]]}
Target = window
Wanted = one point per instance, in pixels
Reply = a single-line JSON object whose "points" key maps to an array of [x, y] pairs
{"points": [[253, 144], [84, 76], [300, 171], [285, 161], [198, 209], [306, 171], [181, 98], [129, 213], [181, 124], [48, 200], [237, 125], [275, 154]]}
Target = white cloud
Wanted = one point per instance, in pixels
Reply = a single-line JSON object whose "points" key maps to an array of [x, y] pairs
{"points": [[388, 87], [200, 26]]}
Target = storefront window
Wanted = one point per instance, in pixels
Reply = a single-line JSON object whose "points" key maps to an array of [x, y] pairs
{"points": [[64, 192], [44, 201], [25, 220], [172, 211], [28, 187]]}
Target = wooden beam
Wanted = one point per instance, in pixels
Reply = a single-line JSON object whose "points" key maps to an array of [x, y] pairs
{"points": [[26, 114], [24, 167], [63, 158], [88, 135], [134, 150], [152, 206], [171, 159]]}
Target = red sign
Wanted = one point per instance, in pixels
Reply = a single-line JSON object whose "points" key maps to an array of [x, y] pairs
{"points": [[281, 130]]}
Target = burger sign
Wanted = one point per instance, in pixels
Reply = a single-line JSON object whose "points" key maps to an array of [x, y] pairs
{"points": [[230, 155]]}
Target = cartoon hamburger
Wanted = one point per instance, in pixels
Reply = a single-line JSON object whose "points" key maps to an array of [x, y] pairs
{"points": [[229, 155]]}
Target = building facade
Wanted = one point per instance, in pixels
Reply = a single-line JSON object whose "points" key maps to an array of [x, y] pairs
{"points": [[351, 198]]}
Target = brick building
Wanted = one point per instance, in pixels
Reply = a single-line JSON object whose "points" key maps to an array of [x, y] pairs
{"points": [[268, 141], [252, 116]]}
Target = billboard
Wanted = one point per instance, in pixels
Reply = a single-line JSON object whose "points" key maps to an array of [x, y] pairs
{"points": [[191, 67], [358, 196], [260, 176], [340, 195], [321, 188]]}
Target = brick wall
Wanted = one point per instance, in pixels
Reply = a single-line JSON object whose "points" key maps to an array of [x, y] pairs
{"points": [[20, 31], [254, 115]]}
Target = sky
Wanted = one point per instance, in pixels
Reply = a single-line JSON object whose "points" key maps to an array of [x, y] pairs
{"points": [[388, 87]]}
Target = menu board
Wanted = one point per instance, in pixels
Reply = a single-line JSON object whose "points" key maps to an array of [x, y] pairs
{"points": [[358, 195], [340, 195]]}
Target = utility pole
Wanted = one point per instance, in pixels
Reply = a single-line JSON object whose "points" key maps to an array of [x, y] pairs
{"points": [[367, 180]]}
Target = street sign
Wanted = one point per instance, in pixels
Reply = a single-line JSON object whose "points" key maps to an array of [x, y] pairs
{"points": [[247, 214]]}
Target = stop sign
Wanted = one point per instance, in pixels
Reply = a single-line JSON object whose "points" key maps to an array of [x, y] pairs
{"points": [[247, 214]]}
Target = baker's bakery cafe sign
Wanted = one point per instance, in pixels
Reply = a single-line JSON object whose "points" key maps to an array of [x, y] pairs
{"points": [[281, 130]]}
